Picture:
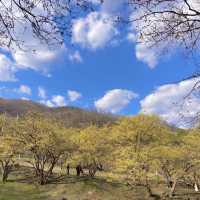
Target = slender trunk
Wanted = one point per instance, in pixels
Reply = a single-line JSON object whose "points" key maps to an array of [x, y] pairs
{"points": [[43, 180], [196, 186], [172, 189], [43, 176], [169, 182], [40, 172], [92, 170], [6, 167], [50, 171], [5, 176], [167, 176], [196, 189], [138, 140], [150, 192]]}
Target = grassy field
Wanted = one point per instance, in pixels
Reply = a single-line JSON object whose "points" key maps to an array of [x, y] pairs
{"points": [[71, 188], [80, 190], [21, 187]]}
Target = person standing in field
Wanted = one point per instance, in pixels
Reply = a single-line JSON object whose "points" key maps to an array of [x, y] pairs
{"points": [[79, 170], [68, 169]]}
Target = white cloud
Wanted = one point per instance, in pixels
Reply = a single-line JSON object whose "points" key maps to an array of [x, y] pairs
{"points": [[115, 100], [48, 103], [55, 101], [168, 101], [131, 37], [20, 92], [42, 93], [42, 59], [146, 54], [24, 89], [58, 100], [96, 2], [75, 57], [73, 95], [150, 33], [25, 99], [7, 69], [94, 31], [33, 59], [144, 51], [36, 55]]}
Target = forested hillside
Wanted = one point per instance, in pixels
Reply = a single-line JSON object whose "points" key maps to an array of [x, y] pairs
{"points": [[68, 116]]}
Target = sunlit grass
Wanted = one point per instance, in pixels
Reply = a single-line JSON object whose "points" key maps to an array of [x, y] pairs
{"points": [[104, 186], [21, 187]]}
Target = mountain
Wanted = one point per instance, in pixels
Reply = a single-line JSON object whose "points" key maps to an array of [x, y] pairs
{"points": [[68, 116]]}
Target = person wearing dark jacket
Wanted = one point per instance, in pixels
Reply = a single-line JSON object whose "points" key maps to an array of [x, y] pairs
{"points": [[68, 169], [79, 170]]}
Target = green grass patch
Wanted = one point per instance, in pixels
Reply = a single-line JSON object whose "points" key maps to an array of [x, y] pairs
{"points": [[21, 186]]}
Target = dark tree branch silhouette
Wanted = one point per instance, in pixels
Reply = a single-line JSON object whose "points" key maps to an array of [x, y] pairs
{"points": [[167, 21], [47, 20]]}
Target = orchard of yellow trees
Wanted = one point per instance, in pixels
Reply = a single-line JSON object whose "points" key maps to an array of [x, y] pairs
{"points": [[141, 150]]}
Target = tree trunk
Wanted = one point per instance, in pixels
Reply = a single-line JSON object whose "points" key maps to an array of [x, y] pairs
{"points": [[196, 185], [42, 178], [5, 176], [172, 189], [92, 170], [196, 189], [6, 167], [44, 165], [50, 172], [150, 192]]}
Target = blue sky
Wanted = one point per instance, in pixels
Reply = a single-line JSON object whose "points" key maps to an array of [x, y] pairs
{"points": [[102, 69]]}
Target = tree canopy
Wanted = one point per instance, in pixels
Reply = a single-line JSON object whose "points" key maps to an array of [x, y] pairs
{"points": [[140, 150], [165, 22], [154, 22]]}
